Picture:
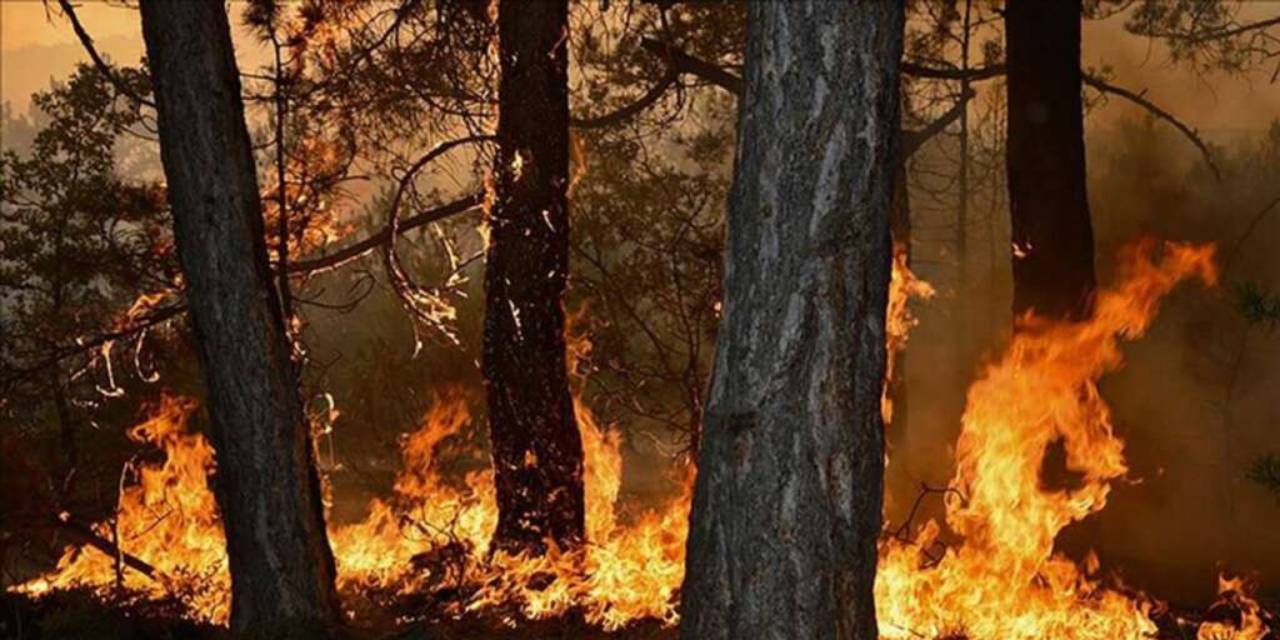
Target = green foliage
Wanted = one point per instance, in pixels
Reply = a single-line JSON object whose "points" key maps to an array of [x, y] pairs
{"points": [[1205, 33], [78, 244], [77, 241], [1266, 472], [1258, 305]]}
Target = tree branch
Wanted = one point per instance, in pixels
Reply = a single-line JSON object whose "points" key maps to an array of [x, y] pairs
{"points": [[644, 102], [92, 539], [330, 261], [352, 251], [912, 140], [98, 62], [681, 62], [1103, 86], [1229, 32], [937, 73]]}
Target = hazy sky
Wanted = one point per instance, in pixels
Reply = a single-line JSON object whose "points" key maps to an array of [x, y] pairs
{"points": [[35, 49]]}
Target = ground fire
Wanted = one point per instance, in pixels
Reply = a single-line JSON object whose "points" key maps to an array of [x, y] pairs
{"points": [[787, 319], [1003, 580]]}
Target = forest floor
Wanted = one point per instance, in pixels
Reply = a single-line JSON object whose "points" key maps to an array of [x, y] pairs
{"points": [[80, 615]]}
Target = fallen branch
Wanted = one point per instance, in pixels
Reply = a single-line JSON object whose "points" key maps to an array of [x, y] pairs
{"points": [[86, 533]]}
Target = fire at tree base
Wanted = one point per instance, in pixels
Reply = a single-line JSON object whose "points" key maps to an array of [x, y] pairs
{"points": [[428, 542]]}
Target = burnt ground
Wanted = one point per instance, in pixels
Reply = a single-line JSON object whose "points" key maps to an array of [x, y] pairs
{"points": [[80, 615]]}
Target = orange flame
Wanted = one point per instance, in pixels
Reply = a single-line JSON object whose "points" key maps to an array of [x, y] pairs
{"points": [[168, 518], [1003, 581], [899, 321]]}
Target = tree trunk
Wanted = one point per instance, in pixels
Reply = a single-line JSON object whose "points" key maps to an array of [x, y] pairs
{"points": [[537, 450], [786, 510], [282, 569], [1053, 239]]}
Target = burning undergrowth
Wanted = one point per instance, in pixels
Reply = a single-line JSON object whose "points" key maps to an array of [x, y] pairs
{"points": [[422, 552]]}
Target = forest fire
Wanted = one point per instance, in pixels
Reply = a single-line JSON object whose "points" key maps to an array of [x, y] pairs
{"points": [[575, 318], [431, 536], [1005, 579]]}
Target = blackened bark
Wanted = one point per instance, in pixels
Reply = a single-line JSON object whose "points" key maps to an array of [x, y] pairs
{"points": [[282, 569], [537, 450], [1053, 271], [786, 510]]}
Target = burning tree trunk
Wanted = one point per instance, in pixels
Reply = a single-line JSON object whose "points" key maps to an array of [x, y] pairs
{"points": [[1052, 236], [282, 569], [787, 504], [537, 450]]}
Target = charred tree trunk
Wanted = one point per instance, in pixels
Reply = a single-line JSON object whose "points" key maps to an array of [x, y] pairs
{"points": [[786, 510], [1053, 239], [282, 569], [537, 450]]}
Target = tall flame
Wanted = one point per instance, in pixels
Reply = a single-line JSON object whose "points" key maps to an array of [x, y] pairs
{"points": [[1004, 581]]}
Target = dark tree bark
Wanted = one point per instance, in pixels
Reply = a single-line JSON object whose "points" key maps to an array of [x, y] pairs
{"points": [[787, 505], [537, 450], [1053, 254], [282, 569]]}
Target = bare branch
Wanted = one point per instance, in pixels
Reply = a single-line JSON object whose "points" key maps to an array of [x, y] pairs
{"points": [[644, 102], [682, 62], [912, 140], [98, 62], [87, 534], [353, 251], [937, 73], [1103, 86]]}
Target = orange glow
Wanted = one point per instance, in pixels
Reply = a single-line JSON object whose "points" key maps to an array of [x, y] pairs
{"points": [[166, 517], [899, 321], [1002, 581]]}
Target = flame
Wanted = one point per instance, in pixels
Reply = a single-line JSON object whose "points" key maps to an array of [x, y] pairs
{"points": [[904, 285], [1004, 581], [431, 535], [1232, 593], [168, 518]]}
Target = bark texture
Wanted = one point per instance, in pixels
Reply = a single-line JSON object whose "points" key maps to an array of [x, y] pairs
{"points": [[537, 450], [787, 504], [1053, 271], [282, 569]]}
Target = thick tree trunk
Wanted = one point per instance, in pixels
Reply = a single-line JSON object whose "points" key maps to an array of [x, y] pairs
{"points": [[786, 510], [537, 450], [1053, 239], [282, 569]]}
